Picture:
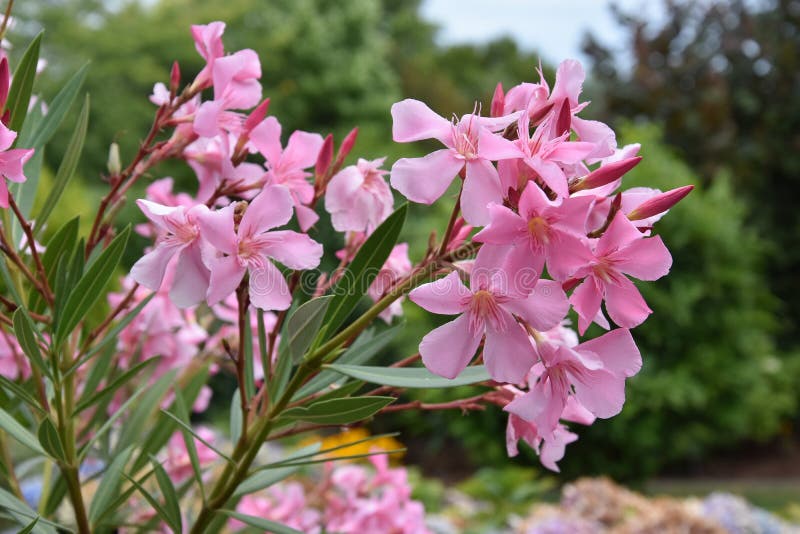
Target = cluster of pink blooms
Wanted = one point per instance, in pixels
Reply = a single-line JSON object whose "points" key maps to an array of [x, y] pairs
{"points": [[539, 183], [543, 211], [350, 499]]}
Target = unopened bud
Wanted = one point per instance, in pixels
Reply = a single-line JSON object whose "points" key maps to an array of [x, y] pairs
{"points": [[606, 174], [659, 203], [256, 116], [345, 148], [174, 79], [5, 77], [564, 122], [114, 163], [498, 101], [325, 156]]}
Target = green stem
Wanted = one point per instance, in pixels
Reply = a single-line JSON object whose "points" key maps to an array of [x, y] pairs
{"points": [[13, 482]]}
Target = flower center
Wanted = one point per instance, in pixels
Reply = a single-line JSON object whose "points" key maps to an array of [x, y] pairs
{"points": [[484, 307], [465, 139], [539, 229]]}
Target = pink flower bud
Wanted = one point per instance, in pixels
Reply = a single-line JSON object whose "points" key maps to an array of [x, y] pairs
{"points": [[498, 101], [606, 174], [325, 156], [345, 148], [659, 203], [174, 78], [256, 116], [4, 81], [564, 122]]}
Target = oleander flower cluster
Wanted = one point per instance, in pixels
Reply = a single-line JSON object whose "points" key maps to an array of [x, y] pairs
{"points": [[263, 270]]}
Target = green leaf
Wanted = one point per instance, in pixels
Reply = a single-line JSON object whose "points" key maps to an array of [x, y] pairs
{"points": [[121, 501], [18, 432], [338, 411], [90, 287], [364, 348], [24, 330], [411, 377], [264, 525], [264, 479], [262, 342], [363, 269], [62, 243], [236, 417], [22, 85], [197, 436], [188, 440], [68, 165], [110, 421], [30, 526], [57, 110], [20, 391], [23, 514], [303, 325], [51, 442], [172, 506], [297, 457], [137, 422], [120, 381], [247, 350], [157, 508], [109, 485]]}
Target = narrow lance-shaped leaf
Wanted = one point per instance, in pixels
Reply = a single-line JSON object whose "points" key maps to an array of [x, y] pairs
{"points": [[19, 433], [157, 508], [363, 269], [26, 336], [264, 525], [56, 110], [19, 94], [50, 440], [339, 411], [90, 287], [118, 382], [62, 243], [172, 507], [411, 377], [303, 325], [109, 485], [67, 167]]}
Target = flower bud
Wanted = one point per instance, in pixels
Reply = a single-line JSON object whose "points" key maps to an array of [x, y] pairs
{"points": [[564, 122], [4, 81], [114, 164], [606, 174], [659, 203], [256, 116], [498, 101], [174, 79], [345, 148], [325, 156]]}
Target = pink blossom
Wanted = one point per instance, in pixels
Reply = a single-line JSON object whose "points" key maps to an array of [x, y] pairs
{"points": [[208, 42], [471, 143], [488, 307], [180, 236], [594, 370], [210, 158], [283, 503], [396, 267], [251, 248], [287, 166], [11, 162], [178, 462], [358, 198], [621, 250], [543, 230], [13, 362]]}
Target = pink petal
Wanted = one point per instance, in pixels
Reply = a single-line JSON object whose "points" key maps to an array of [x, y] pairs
{"points": [[599, 134], [495, 147], [3, 194], [645, 259], [302, 150], [226, 273], [576, 412], [586, 300], [617, 351], [306, 217], [569, 82], [446, 296], [570, 152], [266, 138], [620, 233], [268, 288], [481, 187], [156, 212], [191, 282], [554, 447], [447, 350], [544, 308], [270, 209], [425, 179], [414, 121], [533, 201], [7, 137], [149, 270], [566, 255], [508, 354], [341, 188], [293, 249], [625, 304], [216, 227], [206, 118], [600, 392], [552, 175], [506, 227]]}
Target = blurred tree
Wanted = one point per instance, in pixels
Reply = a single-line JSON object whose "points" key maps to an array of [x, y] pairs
{"points": [[723, 78]]}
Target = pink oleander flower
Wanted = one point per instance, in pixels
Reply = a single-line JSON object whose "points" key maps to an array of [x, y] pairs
{"points": [[178, 463], [208, 42], [210, 158], [286, 167], [472, 144], [11, 162], [621, 250], [285, 503], [594, 372], [180, 236], [358, 197], [543, 230], [489, 307], [396, 267], [251, 248], [547, 155]]}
